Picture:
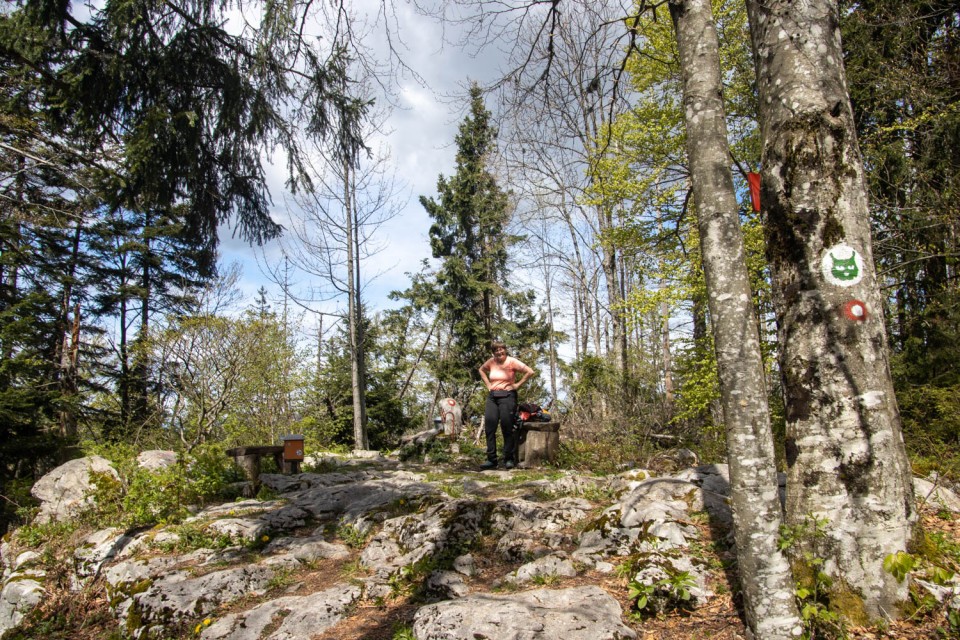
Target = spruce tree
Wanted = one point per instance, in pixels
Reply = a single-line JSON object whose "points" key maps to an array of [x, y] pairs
{"points": [[160, 115], [469, 236], [141, 265]]}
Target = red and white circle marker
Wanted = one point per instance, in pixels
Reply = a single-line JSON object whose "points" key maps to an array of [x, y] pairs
{"points": [[855, 310]]}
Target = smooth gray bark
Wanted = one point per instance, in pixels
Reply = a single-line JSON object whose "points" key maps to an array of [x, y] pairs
{"points": [[765, 575], [845, 454]]}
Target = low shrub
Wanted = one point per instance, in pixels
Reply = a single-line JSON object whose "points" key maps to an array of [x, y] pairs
{"points": [[143, 497]]}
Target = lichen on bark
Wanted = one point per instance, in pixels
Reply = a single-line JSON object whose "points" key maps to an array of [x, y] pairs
{"points": [[846, 461], [764, 572]]}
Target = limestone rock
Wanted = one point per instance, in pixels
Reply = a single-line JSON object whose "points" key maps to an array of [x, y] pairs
{"points": [[66, 491], [124, 576], [21, 588], [366, 454], [156, 459], [21, 592], [582, 613], [95, 551], [11, 560], [936, 495], [408, 522], [301, 617], [535, 528], [303, 550], [465, 565], [548, 566], [407, 539], [178, 597], [447, 584], [241, 529], [356, 494]]}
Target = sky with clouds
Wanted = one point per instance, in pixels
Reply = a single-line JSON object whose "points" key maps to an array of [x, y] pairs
{"points": [[418, 135]]}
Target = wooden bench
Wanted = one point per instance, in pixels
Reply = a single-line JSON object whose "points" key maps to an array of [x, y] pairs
{"points": [[537, 442], [249, 460]]}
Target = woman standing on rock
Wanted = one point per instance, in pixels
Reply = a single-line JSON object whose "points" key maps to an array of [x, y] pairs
{"points": [[499, 373]]}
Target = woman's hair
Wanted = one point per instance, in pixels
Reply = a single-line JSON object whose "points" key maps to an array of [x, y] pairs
{"points": [[496, 344]]}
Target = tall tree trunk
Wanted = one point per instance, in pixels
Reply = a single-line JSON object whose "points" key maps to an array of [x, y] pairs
{"points": [[609, 263], [667, 356], [598, 326], [665, 342], [354, 321], [11, 242], [766, 580], [580, 283], [361, 325], [69, 339], [577, 349], [140, 371], [124, 356], [552, 338], [845, 454], [699, 313]]}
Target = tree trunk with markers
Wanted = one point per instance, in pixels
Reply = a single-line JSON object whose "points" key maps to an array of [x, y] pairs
{"points": [[846, 460], [766, 582]]}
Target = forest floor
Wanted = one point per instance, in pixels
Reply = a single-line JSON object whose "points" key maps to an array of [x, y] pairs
{"points": [[86, 615]]}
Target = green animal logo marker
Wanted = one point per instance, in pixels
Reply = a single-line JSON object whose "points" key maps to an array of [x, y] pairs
{"points": [[845, 269], [842, 266]]}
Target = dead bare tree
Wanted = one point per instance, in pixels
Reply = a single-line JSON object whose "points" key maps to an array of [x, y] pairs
{"points": [[333, 227]]}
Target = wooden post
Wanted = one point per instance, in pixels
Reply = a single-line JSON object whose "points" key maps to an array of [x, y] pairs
{"points": [[249, 460], [250, 463]]}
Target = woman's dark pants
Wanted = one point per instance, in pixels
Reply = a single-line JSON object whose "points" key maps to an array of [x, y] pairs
{"points": [[501, 410]]}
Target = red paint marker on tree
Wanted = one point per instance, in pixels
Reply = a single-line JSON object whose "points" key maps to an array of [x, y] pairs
{"points": [[855, 310]]}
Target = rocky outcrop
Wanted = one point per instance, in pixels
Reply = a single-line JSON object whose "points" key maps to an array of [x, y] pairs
{"points": [[22, 588], [476, 551], [299, 617], [156, 459], [584, 613]]}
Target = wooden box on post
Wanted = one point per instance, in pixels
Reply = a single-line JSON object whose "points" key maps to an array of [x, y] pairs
{"points": [[537, 442], [292, 452]]}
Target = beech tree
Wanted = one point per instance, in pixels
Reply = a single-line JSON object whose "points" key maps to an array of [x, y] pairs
{"points": [[846, 461], [908, 128], [764, 572]]}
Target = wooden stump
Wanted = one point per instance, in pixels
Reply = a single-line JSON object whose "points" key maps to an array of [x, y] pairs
{"points": [[538, 442]]}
